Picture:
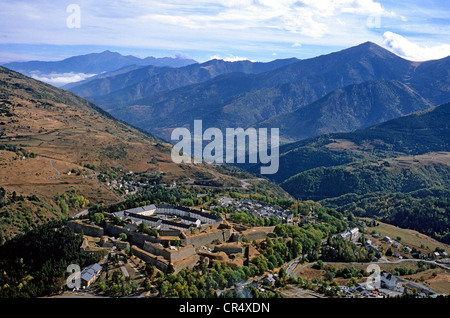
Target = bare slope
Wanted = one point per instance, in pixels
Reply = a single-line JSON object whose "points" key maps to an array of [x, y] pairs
{"points": [[46, 131]]}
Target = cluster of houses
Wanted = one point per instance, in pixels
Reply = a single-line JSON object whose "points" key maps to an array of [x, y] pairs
{"points": [[372, 247], [259, 208], [388, 285], [351, 234], [124, 186]]}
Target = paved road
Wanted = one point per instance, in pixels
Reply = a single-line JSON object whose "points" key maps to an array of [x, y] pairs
{"points": [[245, 184], [291, 266], [51, 165], [300, 268], [84, 212]]}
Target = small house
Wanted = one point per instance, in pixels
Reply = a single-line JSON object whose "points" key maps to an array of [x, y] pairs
{"points": [[90, 274]]}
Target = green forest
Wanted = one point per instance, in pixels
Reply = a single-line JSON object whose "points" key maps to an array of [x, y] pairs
{"points": [[425, 210], [34, 264], [362, 178]]}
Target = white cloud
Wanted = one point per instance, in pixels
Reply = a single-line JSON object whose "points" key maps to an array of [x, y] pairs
{"points": [[253, 28], [230, 58], [412, 51], [60, 79], [311, 18]]}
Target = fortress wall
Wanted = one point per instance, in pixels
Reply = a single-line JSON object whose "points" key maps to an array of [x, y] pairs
{"points": [[113, 230], [257, 233], [134, 237], [214, 225], [169, 232], [201, 239], [140, 238], [88, 229], [182, 253], [170, 255], [147, 257], [162, 264], [229, 248], [155, 249], [189, 262]]}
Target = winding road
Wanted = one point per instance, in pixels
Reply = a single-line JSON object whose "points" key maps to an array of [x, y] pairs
{"points": [[53, 167], [245, 184], [51, 164]]}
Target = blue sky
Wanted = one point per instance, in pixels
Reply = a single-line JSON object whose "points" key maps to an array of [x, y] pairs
{"points": [[259, 30]]}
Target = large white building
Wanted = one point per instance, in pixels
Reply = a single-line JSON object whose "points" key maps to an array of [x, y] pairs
{"points": [[351, 234], [168, 216]]}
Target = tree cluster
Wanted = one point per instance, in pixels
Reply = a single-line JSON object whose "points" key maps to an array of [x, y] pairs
{"points": [[34, 264]]}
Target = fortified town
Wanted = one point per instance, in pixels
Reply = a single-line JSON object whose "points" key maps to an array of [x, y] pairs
{"points": [[172, 237]]}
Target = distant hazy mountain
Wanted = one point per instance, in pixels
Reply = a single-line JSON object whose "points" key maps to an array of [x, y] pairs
{"points": [[129, 87], [119, 71], [89, 64], [242, 99]]}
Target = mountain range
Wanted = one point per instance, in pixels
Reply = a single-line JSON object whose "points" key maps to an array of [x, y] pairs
{"points": [[355, 122], [143, 82], [337, 92], [345, 91], [351, 107], [91, 64], [401, 155]]}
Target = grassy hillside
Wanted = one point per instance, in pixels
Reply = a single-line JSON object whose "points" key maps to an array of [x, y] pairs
{"points": [[45, 132]]}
